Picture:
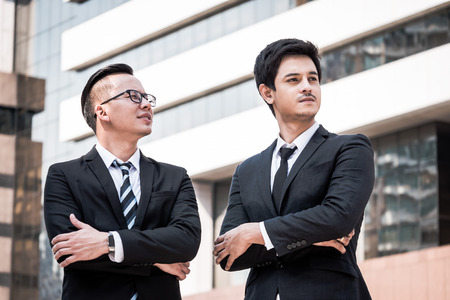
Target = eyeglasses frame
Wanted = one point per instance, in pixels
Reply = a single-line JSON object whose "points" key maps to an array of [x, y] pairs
{"points": [[149, 97]]}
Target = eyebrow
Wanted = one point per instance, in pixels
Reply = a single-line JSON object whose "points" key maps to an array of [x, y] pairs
{"points": [[296, 74]]}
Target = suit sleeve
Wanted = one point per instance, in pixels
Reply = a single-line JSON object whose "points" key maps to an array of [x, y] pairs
{"points": [[59, 203], [178, 241], [348, 192], [235, 216]]}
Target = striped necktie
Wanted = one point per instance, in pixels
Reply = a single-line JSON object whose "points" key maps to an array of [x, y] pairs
{"points": [[127, 198]]}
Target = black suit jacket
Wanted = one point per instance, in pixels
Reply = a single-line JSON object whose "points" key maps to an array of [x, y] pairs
{"points": [[166, 230], [324, 198]]}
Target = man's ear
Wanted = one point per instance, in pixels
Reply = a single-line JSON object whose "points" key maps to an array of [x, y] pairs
{"points": [[266, 93], [101, 113]]}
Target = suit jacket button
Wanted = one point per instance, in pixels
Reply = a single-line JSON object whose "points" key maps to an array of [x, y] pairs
{"points": [[299, 244], [289, 247], [304, 242], [294, 245]]}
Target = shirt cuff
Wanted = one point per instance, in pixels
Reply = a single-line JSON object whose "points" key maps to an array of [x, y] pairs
{"points": [[118, 253], [267, 241]]}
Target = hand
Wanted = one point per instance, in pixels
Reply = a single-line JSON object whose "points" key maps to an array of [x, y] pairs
{"points": [[180, 270], [338, 244], [87, 243], [236, 241]]}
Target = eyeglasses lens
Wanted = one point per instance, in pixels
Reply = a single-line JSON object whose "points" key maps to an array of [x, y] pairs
{"points": [[135, 96]]}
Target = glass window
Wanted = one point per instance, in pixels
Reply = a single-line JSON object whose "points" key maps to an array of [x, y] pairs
{"points": [[437, 30], [411, 38], [373, 53], [402, 212], [7, 120]]}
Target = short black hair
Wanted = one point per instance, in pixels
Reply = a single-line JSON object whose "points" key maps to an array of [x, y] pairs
{"points": [[87, 107], [269, 59]]}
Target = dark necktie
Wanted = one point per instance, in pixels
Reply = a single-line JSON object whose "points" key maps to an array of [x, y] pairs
{"points": [[127, 198], [280, 176]]}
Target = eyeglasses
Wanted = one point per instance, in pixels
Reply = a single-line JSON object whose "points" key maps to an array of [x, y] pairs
{"points": [[136, 97]]}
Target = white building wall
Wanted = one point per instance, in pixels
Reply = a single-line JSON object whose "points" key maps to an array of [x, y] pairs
{"points": [[232, 56], [201, 277], [124, 27]]}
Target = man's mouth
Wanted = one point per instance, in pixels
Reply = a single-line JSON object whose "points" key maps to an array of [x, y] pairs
{"points": [[307, 97], [145, 116]]}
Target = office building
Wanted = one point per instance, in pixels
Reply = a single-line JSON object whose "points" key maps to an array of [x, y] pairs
{"points": [[21, 97], [386, 71]]}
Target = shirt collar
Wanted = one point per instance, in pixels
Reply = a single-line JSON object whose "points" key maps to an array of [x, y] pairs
{"points": [[108, 157], [300, 141]]}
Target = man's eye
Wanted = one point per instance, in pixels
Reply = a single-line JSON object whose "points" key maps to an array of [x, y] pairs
{"points": [[134, 97], [313, 78], [292, 79]]}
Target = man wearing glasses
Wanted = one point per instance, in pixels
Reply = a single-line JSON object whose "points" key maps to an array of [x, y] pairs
{"points": [[122, 225]]}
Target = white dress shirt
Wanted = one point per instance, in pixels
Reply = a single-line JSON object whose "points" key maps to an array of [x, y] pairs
{"points": [[301, 141], [116, 174]]}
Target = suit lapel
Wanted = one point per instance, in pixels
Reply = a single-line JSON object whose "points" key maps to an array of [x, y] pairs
{"points": [[264, 169], [147, 169], [97, 166], [316, 140]]}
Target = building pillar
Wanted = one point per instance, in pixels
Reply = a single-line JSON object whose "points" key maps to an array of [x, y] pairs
{"points": [[20, 186]]}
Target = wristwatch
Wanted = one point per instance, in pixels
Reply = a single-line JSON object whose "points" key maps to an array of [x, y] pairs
{"points": [[111, 245]]}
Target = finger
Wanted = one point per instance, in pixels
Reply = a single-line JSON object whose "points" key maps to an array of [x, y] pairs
{"points": [[219, 239], [218, 248], [185, 265], [340, 247], [58, 246], [60, 253], [67, 261], [341, 241], [185, 269], [345, 240], [221, 256], [77, 223], [351, 234], [230, 262], [60, 238]]}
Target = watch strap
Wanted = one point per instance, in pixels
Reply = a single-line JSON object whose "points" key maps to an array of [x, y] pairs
{"points": [[111, 244]]}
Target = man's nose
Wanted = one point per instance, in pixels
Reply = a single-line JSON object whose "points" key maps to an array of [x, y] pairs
{"points": [[145, 104], [305, 86]]}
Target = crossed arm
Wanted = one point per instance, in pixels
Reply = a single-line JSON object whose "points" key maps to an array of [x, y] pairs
{"points": [[327, 224], [236, 242], [79, 245], [87, 243]]}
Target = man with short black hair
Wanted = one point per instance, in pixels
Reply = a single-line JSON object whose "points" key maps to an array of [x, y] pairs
{"points": [[291, 207], [122, 225]]}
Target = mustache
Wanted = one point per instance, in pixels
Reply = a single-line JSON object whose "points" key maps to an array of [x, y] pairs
{"points": [[306, 95]]}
